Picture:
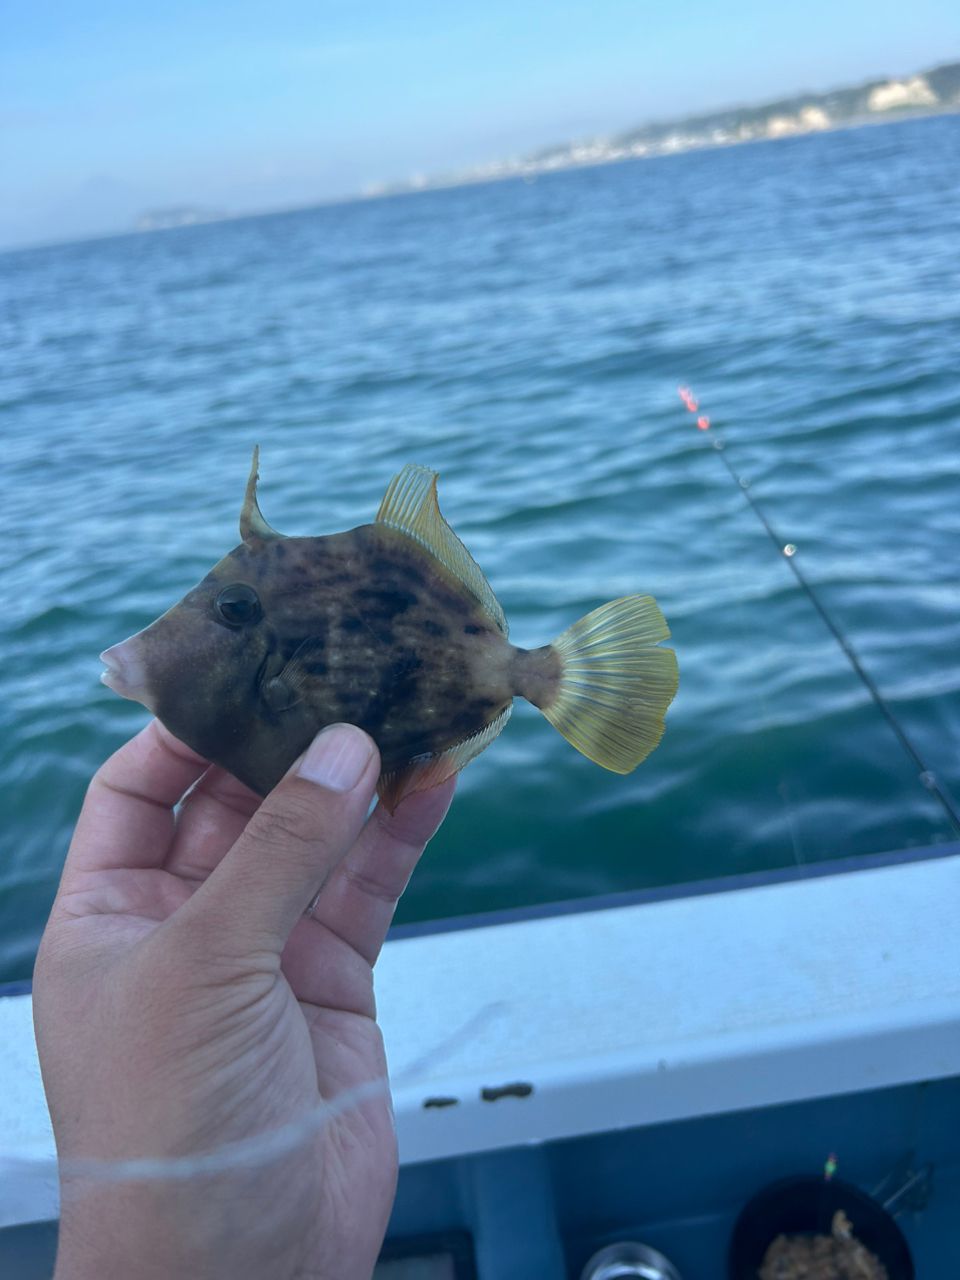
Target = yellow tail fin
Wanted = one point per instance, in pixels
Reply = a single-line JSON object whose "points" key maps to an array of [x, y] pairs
{"points": [[615, 684]]}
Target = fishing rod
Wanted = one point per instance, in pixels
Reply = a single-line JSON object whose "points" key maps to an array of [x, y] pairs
{"points": [[788, 551]]}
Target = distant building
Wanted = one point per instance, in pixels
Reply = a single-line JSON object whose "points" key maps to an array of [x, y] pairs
{"points": [[814, 118], [895, 94]]}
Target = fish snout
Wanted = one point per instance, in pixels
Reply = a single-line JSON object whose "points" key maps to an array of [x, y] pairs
{"points": [[126, 671]]}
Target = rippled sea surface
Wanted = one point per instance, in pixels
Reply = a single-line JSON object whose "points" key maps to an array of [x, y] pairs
{"points": [[527, 341]]}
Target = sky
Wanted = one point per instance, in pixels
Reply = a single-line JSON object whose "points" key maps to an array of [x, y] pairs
{"points": [[111, 107]]}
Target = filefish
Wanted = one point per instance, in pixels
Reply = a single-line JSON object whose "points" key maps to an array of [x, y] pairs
{"points": [[391, 626]]}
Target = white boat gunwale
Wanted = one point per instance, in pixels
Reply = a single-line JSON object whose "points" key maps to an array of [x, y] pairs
{"points": [[620, 1014]]}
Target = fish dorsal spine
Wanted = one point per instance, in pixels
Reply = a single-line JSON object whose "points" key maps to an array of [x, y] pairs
{"points": [[253, 527], [410, 505]]}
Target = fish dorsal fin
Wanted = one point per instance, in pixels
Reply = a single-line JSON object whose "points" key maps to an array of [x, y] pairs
{"points": [[410, 505], [430, 770]]}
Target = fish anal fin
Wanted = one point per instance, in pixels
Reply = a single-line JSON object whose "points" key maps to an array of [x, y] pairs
{"points": [[410, 505], [429, 771]]}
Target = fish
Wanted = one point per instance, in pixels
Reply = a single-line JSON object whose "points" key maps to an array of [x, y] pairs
{"points": [[391, 626]]}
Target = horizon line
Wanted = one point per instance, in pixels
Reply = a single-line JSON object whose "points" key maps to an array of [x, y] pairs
{"points": [[478, 177]]}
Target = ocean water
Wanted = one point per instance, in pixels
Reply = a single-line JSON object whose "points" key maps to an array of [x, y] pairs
{"points": [[526, 340]]}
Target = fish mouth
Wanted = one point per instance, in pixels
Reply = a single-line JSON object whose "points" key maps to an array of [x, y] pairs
{"points": [[125, 672]]}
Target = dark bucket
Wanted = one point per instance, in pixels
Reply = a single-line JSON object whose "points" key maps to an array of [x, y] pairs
{"points": [[805, 1206]]}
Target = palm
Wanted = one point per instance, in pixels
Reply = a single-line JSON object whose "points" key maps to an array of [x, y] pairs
{"points": [[294, 1037]]}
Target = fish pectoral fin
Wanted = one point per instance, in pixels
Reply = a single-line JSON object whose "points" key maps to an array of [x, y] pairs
{"points": [[411, 506], [287, 687], [279, 696], [429, 771]]}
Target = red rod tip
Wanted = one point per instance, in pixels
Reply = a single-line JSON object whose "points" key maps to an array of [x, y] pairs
{"points": [[688, 398]]}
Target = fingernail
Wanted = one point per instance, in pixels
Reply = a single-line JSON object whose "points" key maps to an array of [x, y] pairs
{"points": [[337, 758]]}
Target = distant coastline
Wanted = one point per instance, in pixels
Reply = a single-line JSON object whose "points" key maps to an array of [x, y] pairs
{"points": [[932, 92], [178, 215]]}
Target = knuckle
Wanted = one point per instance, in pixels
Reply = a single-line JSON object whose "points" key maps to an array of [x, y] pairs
{"points": [[382, 888], [289, 823]]}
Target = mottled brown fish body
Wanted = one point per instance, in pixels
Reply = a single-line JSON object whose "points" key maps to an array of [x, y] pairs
{"points": [[390, 626], [359, 627]]}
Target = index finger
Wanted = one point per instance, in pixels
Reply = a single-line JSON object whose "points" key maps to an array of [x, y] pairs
{"points": [[127, 816], [358, 901]]}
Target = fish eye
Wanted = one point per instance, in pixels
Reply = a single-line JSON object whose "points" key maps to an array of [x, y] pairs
{"points": [[238, 605]]}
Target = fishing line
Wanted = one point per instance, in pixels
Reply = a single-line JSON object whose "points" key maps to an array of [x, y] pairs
{"points": [[788, 551], [269, 1145]]}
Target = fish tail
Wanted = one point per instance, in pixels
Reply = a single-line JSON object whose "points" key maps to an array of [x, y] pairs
{"points": [[611, 682]]}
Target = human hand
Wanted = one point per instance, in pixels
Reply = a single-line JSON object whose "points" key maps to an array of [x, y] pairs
{"points": [[183, 1002]]}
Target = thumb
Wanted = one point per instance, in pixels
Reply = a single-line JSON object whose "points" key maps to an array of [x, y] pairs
{"points": [[305, 826]]}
